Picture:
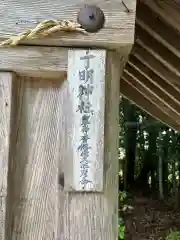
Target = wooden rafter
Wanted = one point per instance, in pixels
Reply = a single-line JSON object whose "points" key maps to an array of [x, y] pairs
{"points": [[149, 94], [153, 70], [153, 76], [149, 85], [160, 51], [152, 62], [128, 91]]}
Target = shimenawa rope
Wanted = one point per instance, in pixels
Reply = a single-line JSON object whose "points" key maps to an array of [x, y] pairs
{"points": [[44, 29]]}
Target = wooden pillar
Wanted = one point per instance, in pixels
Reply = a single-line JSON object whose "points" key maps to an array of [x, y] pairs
{"points": [[92, 213], [6, 83]]}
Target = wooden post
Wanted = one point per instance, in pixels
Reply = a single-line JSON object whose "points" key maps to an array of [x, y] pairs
{"points": [[93, 215], [6, 82]]}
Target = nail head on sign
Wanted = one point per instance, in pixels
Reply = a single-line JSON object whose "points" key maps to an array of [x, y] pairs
{"points": [[61, 180], [91, 18]]}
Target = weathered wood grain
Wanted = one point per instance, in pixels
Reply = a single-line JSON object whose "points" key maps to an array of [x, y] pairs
{"points": [[156, 63], [169, 58], [47, 62], [6, 82], [86, 79], [33, 180], [19, 15], [158, 27], [166, 10], [40, 152], [94, 216]]}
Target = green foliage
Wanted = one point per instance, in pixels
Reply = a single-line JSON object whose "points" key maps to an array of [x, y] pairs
{"points": [[168, 142], [173, 236], [166, 150], [122, 197], [123, 208], [121, 232]]}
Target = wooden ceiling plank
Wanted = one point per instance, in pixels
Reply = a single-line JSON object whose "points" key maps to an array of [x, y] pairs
{"points": [[156, 64], [141, 88], [155, 79], [166, 10], [158, 50], [129, 92], [158, 91], [159, 29], [162, 40]]}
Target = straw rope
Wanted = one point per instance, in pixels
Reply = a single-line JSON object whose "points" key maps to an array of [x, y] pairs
{"points": [[43, 29]]}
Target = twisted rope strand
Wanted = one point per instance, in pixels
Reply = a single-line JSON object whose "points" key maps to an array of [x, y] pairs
{"points": [[43, 29]]}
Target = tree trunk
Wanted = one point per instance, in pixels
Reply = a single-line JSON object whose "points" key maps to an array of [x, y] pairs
{"points": [[161, 192], [165, 162], [150, 161], [174, 176], [160, 169], [130, 115]]}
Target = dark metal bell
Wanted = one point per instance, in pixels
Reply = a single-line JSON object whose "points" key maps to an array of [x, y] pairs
{"points": [[91, 18]]}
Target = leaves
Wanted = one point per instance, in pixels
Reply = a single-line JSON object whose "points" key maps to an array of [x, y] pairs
{"points": [[121, 232], [173, 236], [154, 141]]}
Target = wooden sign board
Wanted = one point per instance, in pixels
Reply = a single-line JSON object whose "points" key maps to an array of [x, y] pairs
{"points": [[86, 80]]}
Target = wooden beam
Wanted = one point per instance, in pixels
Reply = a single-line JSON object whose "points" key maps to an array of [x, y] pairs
{"points": [[144, 124], [167, 10], [155, 79], [157, 90], [48, 62], [91, 215], [163, 32], [128, 91], [158, 50], [118, 31], [155, 63], [149, 94]]}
